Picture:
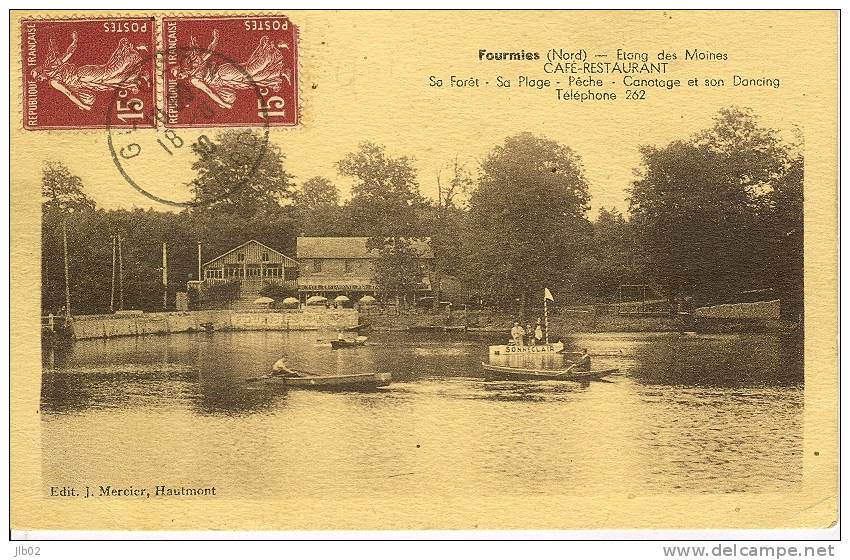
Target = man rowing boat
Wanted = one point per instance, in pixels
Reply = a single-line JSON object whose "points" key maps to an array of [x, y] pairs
{"points": [[583, 363], [280, 369]]}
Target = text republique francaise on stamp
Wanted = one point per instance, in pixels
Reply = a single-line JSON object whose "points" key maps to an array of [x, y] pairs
{"points": [[215, 71]]}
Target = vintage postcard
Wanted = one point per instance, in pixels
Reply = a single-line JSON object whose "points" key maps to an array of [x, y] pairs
{"points": [[406, 270]]}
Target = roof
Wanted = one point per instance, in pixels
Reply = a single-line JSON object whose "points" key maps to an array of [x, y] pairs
{"points": [[349, 248], [263, 245]]}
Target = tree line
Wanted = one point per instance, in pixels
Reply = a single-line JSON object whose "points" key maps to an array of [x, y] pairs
{"points": [[710, 216]]}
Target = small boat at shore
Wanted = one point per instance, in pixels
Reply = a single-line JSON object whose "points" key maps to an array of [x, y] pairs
{"points": [[507, 373], [348, 343], [360, 327]]}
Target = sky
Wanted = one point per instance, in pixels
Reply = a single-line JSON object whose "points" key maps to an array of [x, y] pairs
{"points": [[365, 76]]}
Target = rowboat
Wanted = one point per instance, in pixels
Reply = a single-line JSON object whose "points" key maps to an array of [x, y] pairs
{"points": [[506, 373], [348, 343], [283, 375], [352, 382], [511, 349]]}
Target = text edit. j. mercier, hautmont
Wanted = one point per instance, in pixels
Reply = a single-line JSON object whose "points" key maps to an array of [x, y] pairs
{"points": [[161, 490]]}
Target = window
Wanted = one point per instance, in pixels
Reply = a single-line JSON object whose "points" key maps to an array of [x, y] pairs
{"points": [[349, 266], [265, 257], [240, 257], [317, 265]]}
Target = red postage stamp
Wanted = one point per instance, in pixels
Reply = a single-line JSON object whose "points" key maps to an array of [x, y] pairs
{"points": [[88, 73], [230, 71]]}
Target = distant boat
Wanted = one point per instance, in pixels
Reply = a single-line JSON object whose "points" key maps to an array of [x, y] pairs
{"points": [[358, 328], [505, 373], [348, 343], [511, 349]]}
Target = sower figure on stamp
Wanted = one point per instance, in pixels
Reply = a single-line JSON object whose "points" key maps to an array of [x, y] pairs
{"points": [[121, 71], [263, 69]]}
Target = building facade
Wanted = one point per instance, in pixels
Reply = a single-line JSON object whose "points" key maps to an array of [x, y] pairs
{"points": [[333, 266], [252, 265]]}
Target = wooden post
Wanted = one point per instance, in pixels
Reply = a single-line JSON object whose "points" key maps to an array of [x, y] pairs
{"points": [[164, 275], [67, 276], [120, 275], [112, 280], [199, 261]]}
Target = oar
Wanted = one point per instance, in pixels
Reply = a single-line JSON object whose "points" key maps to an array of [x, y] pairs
{"points": [[618, 353], [569, 370], [290, 371]]}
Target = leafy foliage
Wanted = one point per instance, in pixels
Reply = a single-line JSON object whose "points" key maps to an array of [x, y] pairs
{"points": [[397, 268], [62, 191], [222, 293], [711, 216], [712, 211], [276, 291], [318, 209], [239, 173], [527, 221], [385, 195]]}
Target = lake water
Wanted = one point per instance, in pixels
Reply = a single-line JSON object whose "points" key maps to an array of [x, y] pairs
{"points": [[687, 413]]}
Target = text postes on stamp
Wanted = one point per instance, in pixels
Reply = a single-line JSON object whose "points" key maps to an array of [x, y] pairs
{"points": [[74, 69], [230, 71]]}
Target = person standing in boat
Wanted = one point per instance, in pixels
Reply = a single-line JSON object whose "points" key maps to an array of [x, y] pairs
{"points": [[518, 334], [529, 335], [538, 332]]}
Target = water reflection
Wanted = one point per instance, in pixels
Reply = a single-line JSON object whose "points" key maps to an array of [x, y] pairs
{"points": [[686, 413]]}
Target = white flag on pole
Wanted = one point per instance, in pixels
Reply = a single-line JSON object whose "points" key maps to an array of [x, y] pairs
{"points": [[547, 294]]}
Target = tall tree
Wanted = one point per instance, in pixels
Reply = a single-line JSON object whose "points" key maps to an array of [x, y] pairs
{"points": [[610, 259], [385, 193], [385, 206], [704, 207], [62, 190], [397, 268], [527, 221], [445, 221], [62, 196], [239, 173], [317, 204]]}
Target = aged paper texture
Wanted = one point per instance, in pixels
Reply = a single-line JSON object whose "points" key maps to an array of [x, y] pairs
{"points": [[424, 270]]}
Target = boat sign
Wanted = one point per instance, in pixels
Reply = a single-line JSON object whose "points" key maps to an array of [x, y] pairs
{"points": [[510, 349]]}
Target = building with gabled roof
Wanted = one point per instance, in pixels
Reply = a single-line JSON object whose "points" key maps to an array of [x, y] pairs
{"points": [[253, 265], [332, 266]]}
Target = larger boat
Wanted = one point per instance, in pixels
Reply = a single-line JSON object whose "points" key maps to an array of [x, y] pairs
{"points": [[545, 348], [506, 373], [513, 350]]}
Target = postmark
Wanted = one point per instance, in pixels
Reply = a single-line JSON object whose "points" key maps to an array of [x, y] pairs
{"points": [[160, 163], [74, 70], [229, 71]]}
